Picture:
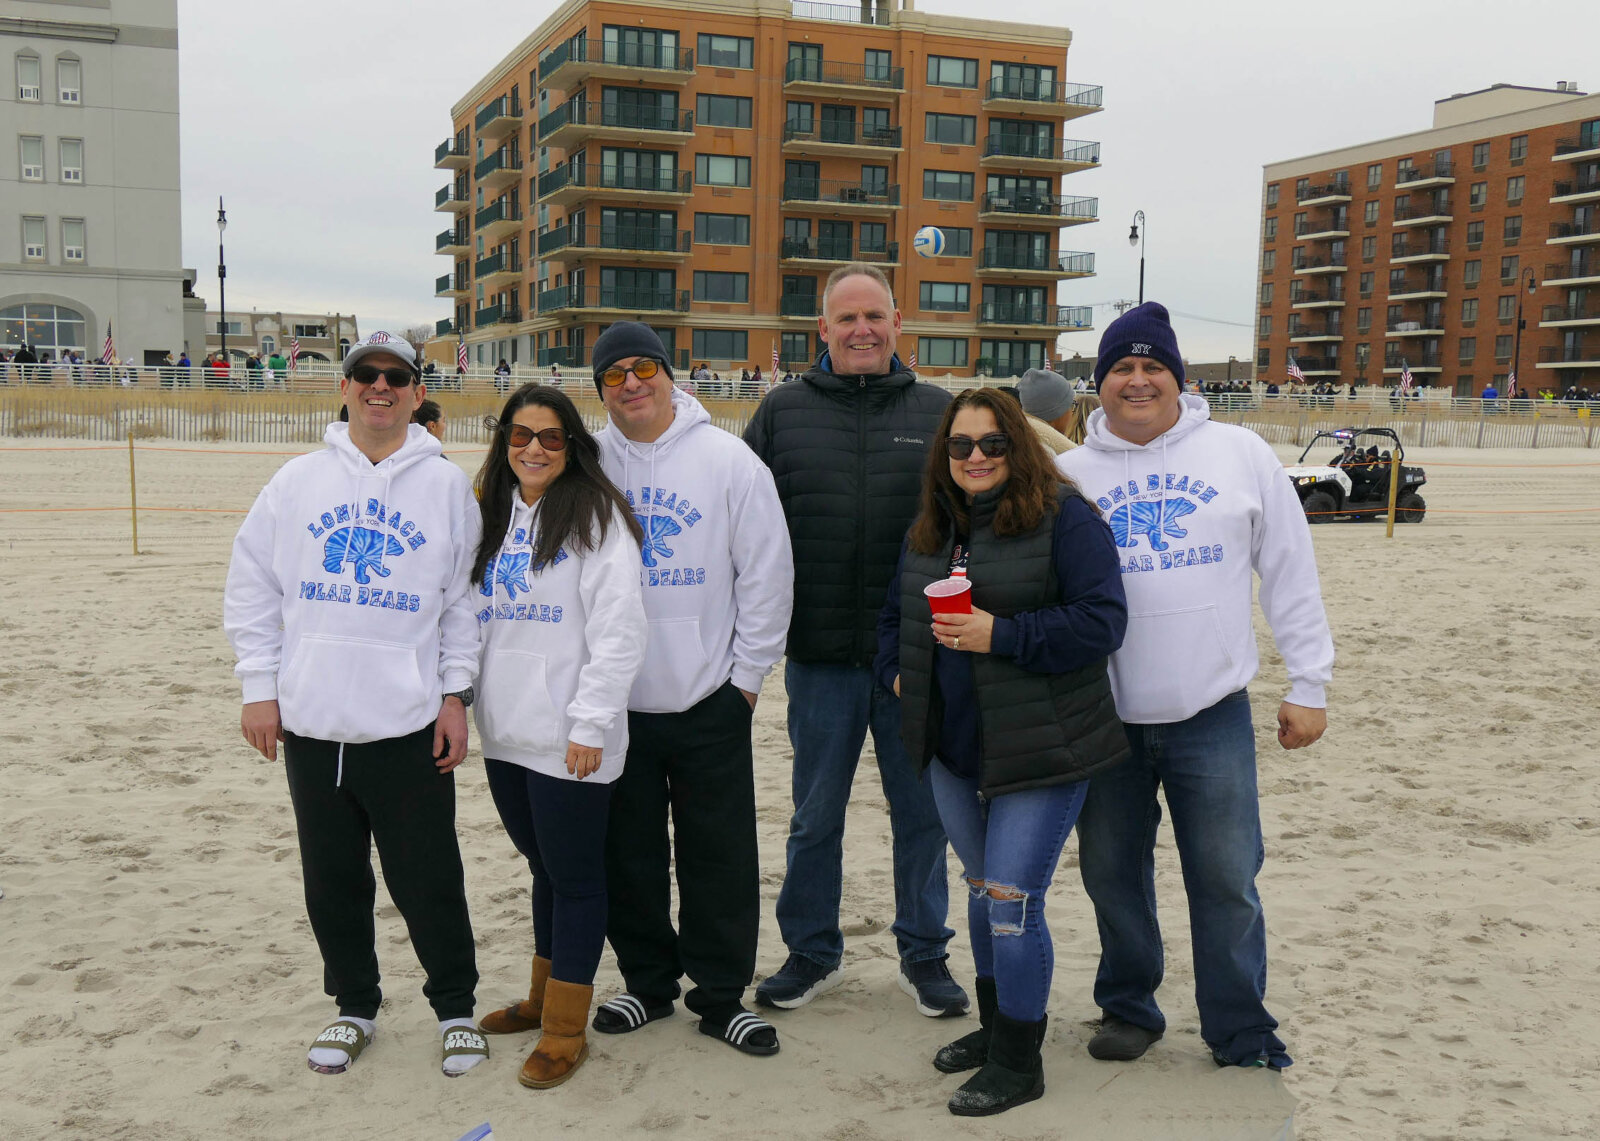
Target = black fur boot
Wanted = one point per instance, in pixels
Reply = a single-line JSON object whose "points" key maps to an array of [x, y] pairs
{"points": [[970, 1051], [1014, 1073]]}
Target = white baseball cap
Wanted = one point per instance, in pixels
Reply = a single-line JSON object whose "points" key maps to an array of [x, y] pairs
{"points": [[380, 342]]}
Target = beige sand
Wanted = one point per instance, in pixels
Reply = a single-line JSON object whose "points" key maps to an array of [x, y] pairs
{"points": [[1432, 879]]}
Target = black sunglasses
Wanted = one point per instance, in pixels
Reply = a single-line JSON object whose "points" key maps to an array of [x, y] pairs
{"points": [[550, 439], [369, 374], [993, 446], [644, 369]]}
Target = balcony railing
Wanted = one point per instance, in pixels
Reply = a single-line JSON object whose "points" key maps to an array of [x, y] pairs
{"points": [[841, 13], [500, 160], [447, 284], [1327, 262], [841, 134], [446, 150], [1428, 324], [1324, 228], [1574, 229], [798, 305], [1577, 267], [449, 238], [615, 237], [496, 315], [1045, 91], [651, 56], [444, 328], [1041, 261], [1424, 172], [501, 211], [496, 263], [1577, 144], [1428, 209], [1419, 249], [504, 107], [1027, 313], [1008, 145], [1570, 354], [835, 74], [1314, 296], [585, 113], [1575, 186], [802, 189], [614, 297], [449, 192], [1317, 364], [607, 178], [1042, 206], [1415, 360], [573, 356], [1582, 311], [1336, 189], [830, 249]]}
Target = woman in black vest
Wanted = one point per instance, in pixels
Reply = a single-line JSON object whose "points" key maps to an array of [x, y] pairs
{"points": [[1008, 708]]}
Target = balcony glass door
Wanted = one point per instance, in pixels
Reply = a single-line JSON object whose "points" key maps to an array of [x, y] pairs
{"points": [[641, 47], [838, 124], [833, 240], [639, 107], [1022, 81], [802, 180]]}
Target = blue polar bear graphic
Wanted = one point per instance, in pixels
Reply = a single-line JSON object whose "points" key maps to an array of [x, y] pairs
{"points": [[363, 547], [1152, 520]]}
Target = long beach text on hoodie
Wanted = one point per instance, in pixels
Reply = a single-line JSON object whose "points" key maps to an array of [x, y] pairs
{"points": [[346, 597], [1193, 512], [717, 569]]}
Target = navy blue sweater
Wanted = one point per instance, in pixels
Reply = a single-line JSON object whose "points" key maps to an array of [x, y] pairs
{"points": [[1086, 626]]}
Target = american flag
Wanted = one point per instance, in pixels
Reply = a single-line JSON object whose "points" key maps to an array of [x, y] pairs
{"points": [[1511, 386], [912, 363], [294, 352], [108, 355], [774, 360], [1295, 373], [461, 355], [1405, 378]]}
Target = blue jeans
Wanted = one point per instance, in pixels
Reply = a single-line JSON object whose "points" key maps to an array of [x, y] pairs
{"points": [[830, 709], [1207, 768], [1009, 846]]}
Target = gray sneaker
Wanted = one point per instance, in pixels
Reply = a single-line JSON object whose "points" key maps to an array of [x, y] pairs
{"points": [[797, 982]]}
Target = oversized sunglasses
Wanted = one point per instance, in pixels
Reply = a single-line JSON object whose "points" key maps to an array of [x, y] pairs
{"points": [[993, 446], [643, 369], [550, 439], [369, 374]]}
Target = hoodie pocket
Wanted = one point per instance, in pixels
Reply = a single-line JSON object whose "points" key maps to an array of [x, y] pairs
{"points": [[674, 648], [515, 707], [329, 673], [1171, 661]]}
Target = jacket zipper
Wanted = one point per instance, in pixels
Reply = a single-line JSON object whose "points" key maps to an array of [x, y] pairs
{"points": [[861, 515]]}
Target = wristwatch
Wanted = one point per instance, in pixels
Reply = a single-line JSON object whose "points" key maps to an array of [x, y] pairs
{"points": [[464, 696]]}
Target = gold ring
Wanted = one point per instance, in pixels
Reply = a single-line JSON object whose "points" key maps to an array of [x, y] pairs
{"points": [[957, 643]]}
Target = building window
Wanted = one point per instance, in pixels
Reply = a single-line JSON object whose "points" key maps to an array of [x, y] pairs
{"points": [[1302, 186], [800, 116], [949, 185], [722, 170], [709, 286], [33, 239], [1266, 324], [32, 158], [72, 241], [1370, 215], [1404, 170], [1502, 347], [1468, 349], [1471, 272], [723, 110], [1477, 195], [1272, 195], [231, 328], [1474, 235], [1365, 285], [726, 51], [957, 241], [1519, 147], [1013, 358], [959, 130], [1469, 311], [950, 71], [28, 78], [1369, 247], [879, 64], [1513, 229], [1363, 320], [721, 345], [1480, 155], [1397, 245], [1397, 281], [72, 160], [1506, 307], [1269, 232], [1266, 293], [1263, 357], [722, 229], [941, 352], [321, 331], [1508, 268], [1516, 186], [945, 297], [1374, 176], [1269, 261], [795, 347], [1363, 355]]}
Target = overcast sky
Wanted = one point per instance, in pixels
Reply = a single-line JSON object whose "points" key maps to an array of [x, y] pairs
{"points": [[317, 122]]}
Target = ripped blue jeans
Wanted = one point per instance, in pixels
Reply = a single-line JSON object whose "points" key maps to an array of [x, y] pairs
{"points": [[1009, 848]]}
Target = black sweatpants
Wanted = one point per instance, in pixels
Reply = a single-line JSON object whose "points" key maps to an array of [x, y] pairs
{"points": [[389, 791], [698, 766]]}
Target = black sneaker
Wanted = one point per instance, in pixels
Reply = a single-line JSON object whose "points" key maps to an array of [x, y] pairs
{"points": [[1119, 1041], [797, 982], [937, 994]]}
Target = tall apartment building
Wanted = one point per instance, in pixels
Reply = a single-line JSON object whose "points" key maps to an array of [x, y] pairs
{"points": [[1421, 251], [89, 214], [703, 166]]}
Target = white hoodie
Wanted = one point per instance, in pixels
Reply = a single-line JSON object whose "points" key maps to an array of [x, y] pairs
{"points": [[346, 598], [561, 646], [1192, 512], [718, 573]]}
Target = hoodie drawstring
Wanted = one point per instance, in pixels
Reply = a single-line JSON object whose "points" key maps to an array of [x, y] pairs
{"points": [[338, 777]]}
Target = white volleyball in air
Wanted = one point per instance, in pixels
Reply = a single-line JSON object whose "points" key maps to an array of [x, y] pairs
{"points": [[929, 241]]}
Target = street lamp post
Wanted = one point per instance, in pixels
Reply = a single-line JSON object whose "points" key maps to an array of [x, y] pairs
{"points": [[222, 284], [1516, 352], [1136, 238], [1231, 361]]}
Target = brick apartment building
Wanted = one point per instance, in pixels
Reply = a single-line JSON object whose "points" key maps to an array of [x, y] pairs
{"points": [[703, 166], [1423, 250]]}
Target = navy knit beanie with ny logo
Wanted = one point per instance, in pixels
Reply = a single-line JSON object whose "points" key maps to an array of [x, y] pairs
{"points": [[1143, 331]]}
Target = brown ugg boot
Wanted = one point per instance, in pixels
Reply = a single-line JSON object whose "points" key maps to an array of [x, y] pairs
{"points": [[563, 1045], [521, 1016]]}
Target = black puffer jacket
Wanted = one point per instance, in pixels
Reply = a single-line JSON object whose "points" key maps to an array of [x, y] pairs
{"points": [[847, 453]]}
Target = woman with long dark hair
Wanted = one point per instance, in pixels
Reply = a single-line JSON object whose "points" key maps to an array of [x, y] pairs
{"points": [[564, 632], [1008, 707]]}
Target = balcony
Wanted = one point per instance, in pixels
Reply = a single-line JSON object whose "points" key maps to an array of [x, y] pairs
{"points": [[452, 196], [565, 356], [1571, 356], [1425, 290], [498, 171], [1325, 264], [1325, 231], [1050, 210], [1574, 191], [1025, 152], [571, 242], [613, 299], [574, 182], [858, 81], [1319, 366], [568, 65], [1430, 326], [838, 196], [447, 157], [1573, 233], [1428, 214], [1073, 318], [497, 221], [445, 328], [824, 250], [799, 307], [996, 262], [1425, 175], [449, 285], [498, 119], [452, 242], [1417, 362], [1580, 148], [496, 315], [839, 139], [497, 272], [1325, 194], [1059, 100], [1317, 298], [574, 123], [840, 13], [1575, 271], [1414, 251], [1583, 313]]}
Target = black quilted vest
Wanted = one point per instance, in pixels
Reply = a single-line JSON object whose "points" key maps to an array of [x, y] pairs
{"points": [[1036, 729]]}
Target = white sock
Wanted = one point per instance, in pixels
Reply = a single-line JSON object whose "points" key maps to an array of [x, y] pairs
{"points": [[327, 1056], [460, 1063]]}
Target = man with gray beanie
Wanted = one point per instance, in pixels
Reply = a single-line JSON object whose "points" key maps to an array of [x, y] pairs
{"points": [[1194, 506], [1047, 399], [718, 586]]}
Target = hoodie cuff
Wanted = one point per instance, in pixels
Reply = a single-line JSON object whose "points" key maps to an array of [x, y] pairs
{"points": [[454, 681], [747, 679], [260, 686], [1309, 695], [587, 734], [1003, 638]]}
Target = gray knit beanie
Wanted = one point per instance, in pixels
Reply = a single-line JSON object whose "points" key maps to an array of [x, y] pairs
{"points": [[1045, 394]]}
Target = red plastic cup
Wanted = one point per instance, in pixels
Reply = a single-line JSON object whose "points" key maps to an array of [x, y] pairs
{"points": [[949, 596]]}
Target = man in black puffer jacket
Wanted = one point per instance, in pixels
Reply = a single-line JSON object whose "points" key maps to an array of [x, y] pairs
{"points": [[847, 446]]}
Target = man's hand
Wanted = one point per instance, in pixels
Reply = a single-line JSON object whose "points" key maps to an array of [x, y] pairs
{"points": [[965, 632], [897, 685], [1300, 725], [582, 759], [750, 697], [261, 727], [450, 733]]}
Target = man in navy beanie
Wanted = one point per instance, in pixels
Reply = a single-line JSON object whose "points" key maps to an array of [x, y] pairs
{"points": [[1195, 507]]}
